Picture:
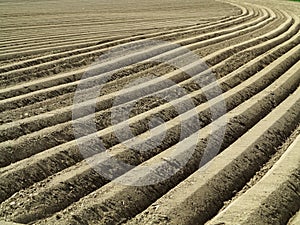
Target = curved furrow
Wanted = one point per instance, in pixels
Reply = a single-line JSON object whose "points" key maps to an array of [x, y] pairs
{"points": [[49, 65], [52, 136], [181, 120], [166, 33], [15, 130], [167, 19], [109, 198], [204, 190], [29, 87], [82, 172], [95, 30], [108, 19], [14, 40], [6, 55], [138, 33], [281, 181], [43, 94], [91, 35], [161, 23], [177, 122], [31, 62], [231, 50], [11, 90], [90, 40], [67, 153], [46, 69], [70, 37], [4, 29], [7, 28], [43, 138], [186, 30], [136, 22]]}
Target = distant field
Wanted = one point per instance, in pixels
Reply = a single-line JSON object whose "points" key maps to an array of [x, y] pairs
{"points": [[213, 110]]}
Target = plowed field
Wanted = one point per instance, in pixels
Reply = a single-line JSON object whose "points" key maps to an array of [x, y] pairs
{"points": [[149, 112]]}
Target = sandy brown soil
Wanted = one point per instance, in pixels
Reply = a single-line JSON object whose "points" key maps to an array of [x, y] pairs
{"points": [[244, 126]]}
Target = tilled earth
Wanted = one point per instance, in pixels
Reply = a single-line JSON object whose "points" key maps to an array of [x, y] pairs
{"points": [[172, 112]]}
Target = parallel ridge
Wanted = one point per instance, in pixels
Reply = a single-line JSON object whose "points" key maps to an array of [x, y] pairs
{"points": [[63, 40], [85, 53], [44, 177], [97, 25], [275, 189]]}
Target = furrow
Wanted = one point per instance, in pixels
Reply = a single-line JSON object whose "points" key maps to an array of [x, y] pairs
{"points": [[230, 50], [108, 19], [34, 51], [43, 94], [186, 29], [203, 193], [22, 64], [93, 208], [138, 112], [52, 136], [281, 182], [232, 98], [11, 127], [7, 76]]}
